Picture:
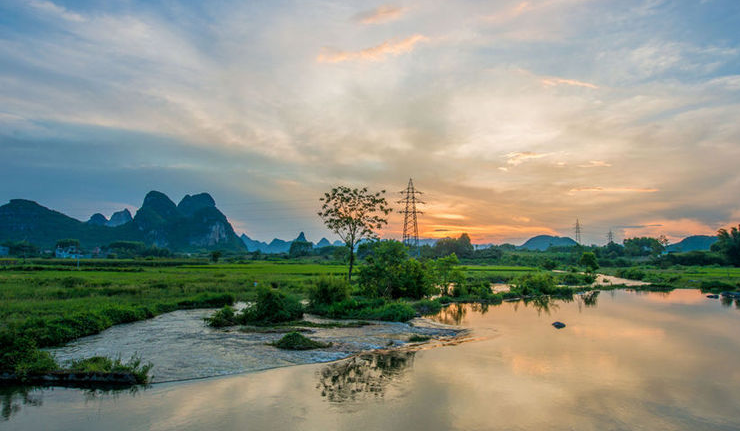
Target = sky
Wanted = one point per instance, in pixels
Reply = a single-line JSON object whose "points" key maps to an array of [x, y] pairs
{"points": [[515, 118]]}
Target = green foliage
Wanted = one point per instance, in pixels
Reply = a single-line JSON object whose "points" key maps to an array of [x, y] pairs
{"points": [[222, 318], [576, 279], [643, 246], [271, 306], [549, 264], [21, 248], [216, 255], [539, 284], [102, 364], [461, 247], [728, 243], [416, 338], [20, 355], [354, 214], [389, 273], [427, 307], [328, 290], [446, 273], [296, 341], [631, 273], [300, 248], [588, 259], [64, 243]]}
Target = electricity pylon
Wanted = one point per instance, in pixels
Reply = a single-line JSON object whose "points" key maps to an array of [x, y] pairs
{"points": [[578, 231], [409, 211]]}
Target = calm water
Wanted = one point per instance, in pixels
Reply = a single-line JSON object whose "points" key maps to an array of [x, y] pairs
{"points": [[625, 361]]}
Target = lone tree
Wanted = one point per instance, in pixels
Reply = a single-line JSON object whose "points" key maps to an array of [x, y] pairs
{"points": [[354, 214], [588, 259]]}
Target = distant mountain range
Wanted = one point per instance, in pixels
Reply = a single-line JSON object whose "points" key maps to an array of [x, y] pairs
{"points": [[692, 243], [282, 246], [193, 224]]}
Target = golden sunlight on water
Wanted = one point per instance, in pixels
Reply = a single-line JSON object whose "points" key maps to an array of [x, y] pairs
{"points": [[625, 360]]}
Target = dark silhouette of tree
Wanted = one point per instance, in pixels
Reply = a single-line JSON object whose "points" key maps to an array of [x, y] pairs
{"points": [[354, 214], [216, 255], [728, 243]]}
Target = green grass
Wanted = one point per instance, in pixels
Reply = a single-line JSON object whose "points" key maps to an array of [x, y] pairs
{"points": [[693, 277]]}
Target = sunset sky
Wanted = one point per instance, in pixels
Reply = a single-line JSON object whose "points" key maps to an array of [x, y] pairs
{"points": [[513, 117]]}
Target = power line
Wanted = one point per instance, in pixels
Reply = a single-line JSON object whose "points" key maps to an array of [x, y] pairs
{"points": [[410, 225]]}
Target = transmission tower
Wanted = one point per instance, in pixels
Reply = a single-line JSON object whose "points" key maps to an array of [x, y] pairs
{"points": [[609, 237], [578, 231], [409, 211]]}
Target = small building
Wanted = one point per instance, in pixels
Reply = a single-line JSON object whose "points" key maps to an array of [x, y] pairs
{"points": [[67, 253]]}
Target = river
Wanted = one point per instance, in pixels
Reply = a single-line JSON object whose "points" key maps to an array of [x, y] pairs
{"points": [[625, 360]]}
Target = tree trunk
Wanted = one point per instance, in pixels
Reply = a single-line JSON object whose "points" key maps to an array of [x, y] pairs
{"points": [[351, 263]]}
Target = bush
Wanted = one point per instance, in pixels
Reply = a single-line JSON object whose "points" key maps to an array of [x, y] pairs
{"points": [[416, 338], [296, 341], [716, 286], [20, 355], [426, 307], [272, 307], [328, 290], [631, 273], [222, 318], [102, 364], [573, 279]]}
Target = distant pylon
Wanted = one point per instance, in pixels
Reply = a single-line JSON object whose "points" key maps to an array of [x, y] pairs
{"points": [[578, 231], [409, 211], [610, 237]]}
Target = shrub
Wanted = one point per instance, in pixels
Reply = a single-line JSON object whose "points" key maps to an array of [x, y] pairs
{"points": [[296, 341], [102, 364], [426, 307], [20, 355], [221, 318], [631, 273], [272, 307], [328, 290], [416, 338]]}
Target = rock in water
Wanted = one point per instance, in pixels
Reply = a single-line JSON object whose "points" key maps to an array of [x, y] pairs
{"points": [[558, 325], [713, 296]]}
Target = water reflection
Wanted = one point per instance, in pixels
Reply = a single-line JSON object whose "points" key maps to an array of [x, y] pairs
{"points": [[453, 314], [588, 299], [363, 376], [13, 397]]}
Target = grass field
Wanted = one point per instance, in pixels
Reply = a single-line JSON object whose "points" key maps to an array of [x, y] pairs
{"points": [[696, 277], [45, 300]]}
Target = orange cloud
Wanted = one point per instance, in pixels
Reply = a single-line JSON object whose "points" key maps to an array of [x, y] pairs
{"points": [[517, 158], [675, 230], [614, 189], [375, 53], [381, 14], [509, 14], [595, 164]]}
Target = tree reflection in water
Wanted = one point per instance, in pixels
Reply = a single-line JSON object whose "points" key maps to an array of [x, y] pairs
{"points": [[12, 397], [453, 314], [588, 299], [363, 376]]}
